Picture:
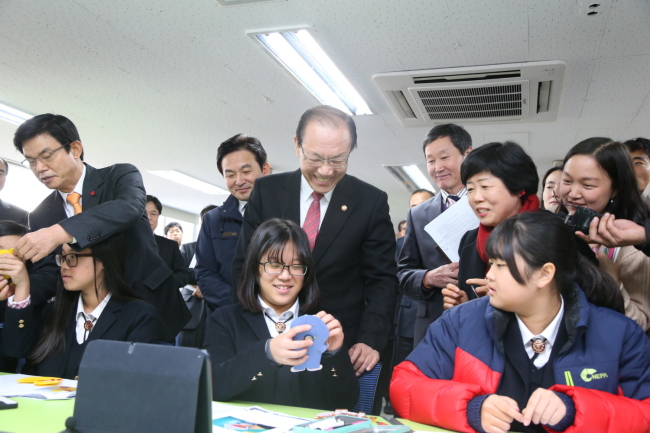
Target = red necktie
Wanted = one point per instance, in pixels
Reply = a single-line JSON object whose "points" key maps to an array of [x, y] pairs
{"points": [[312, 221]]}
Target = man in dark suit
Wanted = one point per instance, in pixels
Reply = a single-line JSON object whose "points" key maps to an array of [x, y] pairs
{"points": [[241, 160], [9, 212], [407, 306], [422, 270], [348, 226], [87, 206], [168, 249]]}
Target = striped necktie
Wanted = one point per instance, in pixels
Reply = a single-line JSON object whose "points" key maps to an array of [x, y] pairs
{"points": [[312, 221]]}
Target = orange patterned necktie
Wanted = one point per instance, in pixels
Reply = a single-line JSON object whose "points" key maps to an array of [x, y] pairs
{"points": [[73, 199]]}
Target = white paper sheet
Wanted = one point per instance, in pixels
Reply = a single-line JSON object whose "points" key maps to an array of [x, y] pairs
{"points": [[252, 419], [9, 387], [450, 226]]}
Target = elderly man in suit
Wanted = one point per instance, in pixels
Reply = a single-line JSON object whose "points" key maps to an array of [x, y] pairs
{"points": [[422, 270], [9, 212], [87, 206], [348, 225]]}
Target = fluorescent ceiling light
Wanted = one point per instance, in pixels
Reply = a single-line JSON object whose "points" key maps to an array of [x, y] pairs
{"points": [[410, 176], [183, 179], [305, 59], [12, 115]]}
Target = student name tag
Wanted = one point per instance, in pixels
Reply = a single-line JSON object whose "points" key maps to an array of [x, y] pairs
{"points": [[230, 233]]}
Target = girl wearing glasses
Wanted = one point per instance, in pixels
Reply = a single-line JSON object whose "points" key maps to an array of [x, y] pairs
{"points": [[92, 302], [251, 344]]}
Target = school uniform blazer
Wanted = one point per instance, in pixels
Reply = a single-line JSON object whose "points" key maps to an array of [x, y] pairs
{"points": [[134, 321], [113, 201], [354, 252], [419, 255], [170, 253], [236, 340]]}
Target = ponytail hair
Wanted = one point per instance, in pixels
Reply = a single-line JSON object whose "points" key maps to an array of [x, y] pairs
{"points": [[540, 238]]}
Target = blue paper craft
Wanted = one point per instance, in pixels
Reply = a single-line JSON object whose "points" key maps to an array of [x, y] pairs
{"points": [[319, 335]]}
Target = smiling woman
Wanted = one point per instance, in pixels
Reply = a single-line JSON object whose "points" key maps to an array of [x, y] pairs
{"points": [[501, 180], [598, 174]]}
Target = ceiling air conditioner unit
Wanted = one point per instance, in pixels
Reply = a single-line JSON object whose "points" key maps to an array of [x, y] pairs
{"points": [[524, 92]]}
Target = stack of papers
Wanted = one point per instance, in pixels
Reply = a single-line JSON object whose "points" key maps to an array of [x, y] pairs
{"points": [[254, 419]]}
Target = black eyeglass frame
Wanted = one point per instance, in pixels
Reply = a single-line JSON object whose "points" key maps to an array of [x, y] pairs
{"points": [[60, 258], [304, 267]]}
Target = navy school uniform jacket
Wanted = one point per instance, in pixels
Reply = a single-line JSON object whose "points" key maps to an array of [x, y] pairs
{"points": [[236, 340], [604, 367], [215, 250], [135, 321]]}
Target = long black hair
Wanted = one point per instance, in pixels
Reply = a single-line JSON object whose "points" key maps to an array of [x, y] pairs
{"points": [[615, 159], [110, 253], [272, 237], [540, 238]]}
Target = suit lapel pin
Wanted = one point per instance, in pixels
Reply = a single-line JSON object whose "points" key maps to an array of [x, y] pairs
{"points": [[344, 208], [92, 193]]}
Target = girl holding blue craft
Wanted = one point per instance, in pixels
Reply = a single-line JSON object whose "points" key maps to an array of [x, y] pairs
{"points": [[252, 344]]}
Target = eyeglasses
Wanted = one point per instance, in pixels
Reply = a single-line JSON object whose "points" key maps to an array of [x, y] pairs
{"points": [[278, 268], [44, 157], [318, 162], [70, 259]]}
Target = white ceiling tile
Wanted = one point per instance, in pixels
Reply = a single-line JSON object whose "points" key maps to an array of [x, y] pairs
{"points": [[628, 29]]}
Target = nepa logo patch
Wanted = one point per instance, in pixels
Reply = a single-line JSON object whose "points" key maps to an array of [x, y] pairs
{"points": [[589, 374]]}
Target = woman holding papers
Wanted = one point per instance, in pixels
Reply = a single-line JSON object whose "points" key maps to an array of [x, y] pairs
{"points": [[251, 344], [501, 181], [92, 302], [534, 355]]}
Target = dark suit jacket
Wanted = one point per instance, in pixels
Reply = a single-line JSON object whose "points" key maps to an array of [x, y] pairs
{"points": [[134, 321], [419, 255], [113, 201], [354, 252], [215, 249], [9, 212], [171, 255], [470, 264], [236, 339], [187, 251]]}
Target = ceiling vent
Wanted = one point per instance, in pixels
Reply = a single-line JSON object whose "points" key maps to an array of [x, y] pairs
{"points": [[525, 92]]}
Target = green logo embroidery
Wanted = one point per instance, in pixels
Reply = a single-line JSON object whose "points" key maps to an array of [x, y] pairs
{"points": [[589, 374]]}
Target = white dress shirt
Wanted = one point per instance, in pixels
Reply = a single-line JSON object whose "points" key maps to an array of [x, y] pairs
{"points": [[550, 333], [69, 210], [242, 205], [270, 312], [445, 195], [306, 199], [93, 317]]}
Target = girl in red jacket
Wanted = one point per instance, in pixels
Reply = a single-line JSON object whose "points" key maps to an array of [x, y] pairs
{"points": [[534, 355]]}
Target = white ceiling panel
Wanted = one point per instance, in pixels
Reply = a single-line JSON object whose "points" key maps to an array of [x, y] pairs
{"points": [[162, 84]]}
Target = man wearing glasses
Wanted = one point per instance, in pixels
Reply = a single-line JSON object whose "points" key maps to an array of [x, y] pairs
{"points": [[87, 206], [348, 226]]}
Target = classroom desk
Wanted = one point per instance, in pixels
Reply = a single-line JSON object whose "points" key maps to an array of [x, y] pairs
{"points": [[40, 416]]}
